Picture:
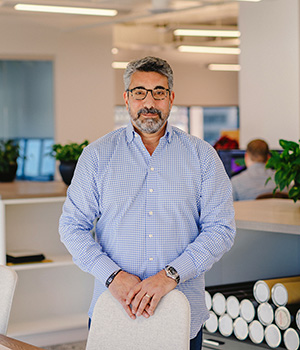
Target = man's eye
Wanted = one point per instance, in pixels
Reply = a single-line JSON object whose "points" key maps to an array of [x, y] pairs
{"points": [[139, 92]]}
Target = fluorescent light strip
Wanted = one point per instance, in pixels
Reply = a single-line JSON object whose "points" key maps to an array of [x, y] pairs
{"points": [[210, 49], [209, 33], [119, 65], [66, 10], [224, 67]]}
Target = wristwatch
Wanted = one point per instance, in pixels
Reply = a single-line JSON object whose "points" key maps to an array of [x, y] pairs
{"points": [[172, 273], [111, 278]]}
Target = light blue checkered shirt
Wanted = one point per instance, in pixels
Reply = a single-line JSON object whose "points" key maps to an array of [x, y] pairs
{"points": [[174, 207]]}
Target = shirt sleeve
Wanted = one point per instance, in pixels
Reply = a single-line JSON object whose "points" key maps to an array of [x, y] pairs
{"points": [[80, 210], [216, 221]]}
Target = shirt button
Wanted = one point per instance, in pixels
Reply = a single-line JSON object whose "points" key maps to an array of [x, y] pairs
{"points": [[150, 212], [151, 190], [152, 169], [150, 236], [150, 259]]}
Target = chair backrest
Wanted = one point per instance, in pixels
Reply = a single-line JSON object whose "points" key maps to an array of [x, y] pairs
{"points": [[283, 195], [8, 280], [167, 329]]}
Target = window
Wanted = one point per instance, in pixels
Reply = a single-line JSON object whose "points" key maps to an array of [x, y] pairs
{"points": [[26, 114]]}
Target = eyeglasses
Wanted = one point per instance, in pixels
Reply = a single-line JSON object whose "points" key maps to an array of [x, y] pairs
{"points": [[140, 93]]}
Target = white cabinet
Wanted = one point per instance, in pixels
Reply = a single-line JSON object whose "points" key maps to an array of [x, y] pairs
{"points": [[52, 298]]}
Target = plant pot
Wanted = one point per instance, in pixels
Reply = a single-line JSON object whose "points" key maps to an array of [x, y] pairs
{"points": [[10, 175], [66, 169]]}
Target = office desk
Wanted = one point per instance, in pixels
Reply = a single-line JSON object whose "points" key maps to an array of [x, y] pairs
{"points": [[13, 344]]}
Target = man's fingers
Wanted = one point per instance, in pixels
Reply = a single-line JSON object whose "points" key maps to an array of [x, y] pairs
{"points": [[128, 311], [132, 294], [154, 302], [144, 301]]}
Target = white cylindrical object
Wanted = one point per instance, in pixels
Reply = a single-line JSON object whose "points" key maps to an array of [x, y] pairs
{"points": [[282, 318], [219, 304], [298, 319], [265, 314], [212, 323], [240, 328], [233, 306], [273, 336], [256, 332], [208, 301], [291, 339], [247, 310], [261, 292], [225, 325], [279, 294]]}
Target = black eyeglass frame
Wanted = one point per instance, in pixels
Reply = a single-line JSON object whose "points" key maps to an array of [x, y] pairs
{"points": [[147, 90]]}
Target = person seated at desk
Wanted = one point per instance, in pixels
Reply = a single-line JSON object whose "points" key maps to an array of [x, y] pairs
{"points": [[252, 182]]}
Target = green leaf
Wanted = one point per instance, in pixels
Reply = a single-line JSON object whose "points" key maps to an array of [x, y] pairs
{"points": [[68, 152], [294, 193]]}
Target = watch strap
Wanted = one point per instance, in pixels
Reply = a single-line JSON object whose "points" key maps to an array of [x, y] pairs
{"points": [[111, 278]]}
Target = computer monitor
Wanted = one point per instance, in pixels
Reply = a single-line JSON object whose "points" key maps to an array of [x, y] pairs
{"points": [[233, 160]]}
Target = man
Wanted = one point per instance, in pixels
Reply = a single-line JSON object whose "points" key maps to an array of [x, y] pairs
{"points": [[252, 182], [163, 200]]}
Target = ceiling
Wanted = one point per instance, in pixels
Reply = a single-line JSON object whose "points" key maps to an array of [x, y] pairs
{"points": [[144, 27]]}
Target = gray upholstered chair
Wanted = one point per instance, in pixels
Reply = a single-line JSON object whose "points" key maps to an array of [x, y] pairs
{"points": [[8, 280], [167, 329]]}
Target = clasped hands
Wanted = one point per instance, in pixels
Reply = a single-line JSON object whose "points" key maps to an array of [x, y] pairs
{"points": [[140, 298]]}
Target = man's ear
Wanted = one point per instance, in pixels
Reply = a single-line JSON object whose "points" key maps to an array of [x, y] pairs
{"points": [[172, 96], [125, 97]]}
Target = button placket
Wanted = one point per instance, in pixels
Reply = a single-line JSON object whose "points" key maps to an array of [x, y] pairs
{"points": [[150, 213]]}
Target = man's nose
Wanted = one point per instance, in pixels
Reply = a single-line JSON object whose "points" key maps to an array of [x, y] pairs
{"points": [[149, 101]]}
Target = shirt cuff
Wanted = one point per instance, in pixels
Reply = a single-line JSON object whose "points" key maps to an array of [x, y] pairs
{"points": [[103, 268], [185, 267]]}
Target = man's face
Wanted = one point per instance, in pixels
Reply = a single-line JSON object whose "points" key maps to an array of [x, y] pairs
{"points": [[148, 115]]}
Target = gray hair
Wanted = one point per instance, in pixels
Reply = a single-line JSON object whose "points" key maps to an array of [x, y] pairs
{"points": [[148, 64]]}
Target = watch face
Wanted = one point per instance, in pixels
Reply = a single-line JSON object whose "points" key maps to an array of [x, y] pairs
{"points": [[172, 273]]}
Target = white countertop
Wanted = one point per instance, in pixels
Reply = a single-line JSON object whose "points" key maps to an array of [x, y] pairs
{"points": [[275, 215]]}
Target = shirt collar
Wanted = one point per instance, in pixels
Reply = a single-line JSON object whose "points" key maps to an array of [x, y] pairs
{"points": [[131, 134]]}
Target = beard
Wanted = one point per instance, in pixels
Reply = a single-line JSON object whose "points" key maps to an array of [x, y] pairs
{"points": [[149, 125]]}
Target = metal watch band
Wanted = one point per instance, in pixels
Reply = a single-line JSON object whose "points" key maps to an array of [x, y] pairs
{"points": [[111, 277], [172, 273]]}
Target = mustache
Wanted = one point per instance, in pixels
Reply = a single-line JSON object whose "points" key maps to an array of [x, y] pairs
{"points": [[151, 110]]}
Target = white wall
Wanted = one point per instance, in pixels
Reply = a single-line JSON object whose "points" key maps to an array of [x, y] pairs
{"points": [[83, 77], [269, 77]]}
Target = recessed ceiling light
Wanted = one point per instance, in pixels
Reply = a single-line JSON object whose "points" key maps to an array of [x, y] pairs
{"points": [[224, 67], [119, 65], [208, 32], [66, 10], [210, 49]]}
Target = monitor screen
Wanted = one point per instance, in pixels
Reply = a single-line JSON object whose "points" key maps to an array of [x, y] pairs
{"points": [[233, 160]]}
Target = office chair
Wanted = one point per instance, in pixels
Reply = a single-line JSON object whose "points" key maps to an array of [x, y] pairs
{"points": [[167, 329], [283, 195], [8, 280]]}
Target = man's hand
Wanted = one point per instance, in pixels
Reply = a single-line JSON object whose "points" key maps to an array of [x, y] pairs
{"points": [[145, 296], [121, 286]]}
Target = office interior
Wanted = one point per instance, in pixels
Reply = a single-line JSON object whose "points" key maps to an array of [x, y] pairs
{"points": [[86, 90]]}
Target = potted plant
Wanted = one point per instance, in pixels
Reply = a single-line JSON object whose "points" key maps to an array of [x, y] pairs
{"points": [[68, 155], [287, 166], [9, 153]]}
